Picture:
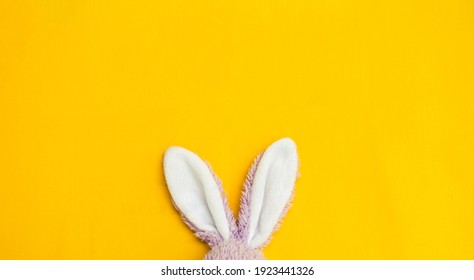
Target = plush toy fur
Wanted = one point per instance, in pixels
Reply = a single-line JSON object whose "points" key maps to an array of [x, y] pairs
{"points": [[198, 195]]}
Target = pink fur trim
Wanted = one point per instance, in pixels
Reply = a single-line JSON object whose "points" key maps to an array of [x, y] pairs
{"points": [[245, 199]]}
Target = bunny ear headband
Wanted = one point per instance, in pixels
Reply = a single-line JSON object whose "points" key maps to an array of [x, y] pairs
{"points": [[198, 195]]}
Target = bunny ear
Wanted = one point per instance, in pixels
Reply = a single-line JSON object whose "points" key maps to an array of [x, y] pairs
{"points": [[267, 192], [196, 193]]}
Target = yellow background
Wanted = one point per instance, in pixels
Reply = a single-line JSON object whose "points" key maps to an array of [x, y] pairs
{"points": [[378, 95]]}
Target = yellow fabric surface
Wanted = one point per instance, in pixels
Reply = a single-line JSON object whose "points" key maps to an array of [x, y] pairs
{"points": [[378, 96]]}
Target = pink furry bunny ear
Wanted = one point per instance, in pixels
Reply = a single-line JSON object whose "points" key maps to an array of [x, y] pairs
{"points": [[197, 194], [267, 193]]}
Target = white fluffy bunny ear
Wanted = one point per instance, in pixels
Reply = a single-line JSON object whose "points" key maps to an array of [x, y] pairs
{"points": [[268, 192], [197, 195]]}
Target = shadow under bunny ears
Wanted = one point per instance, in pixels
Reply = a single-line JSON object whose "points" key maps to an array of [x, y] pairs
{"points": [[196, 189]]}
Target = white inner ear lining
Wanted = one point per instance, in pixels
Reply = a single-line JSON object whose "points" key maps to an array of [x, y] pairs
{"points": [[195, 191], [272, 188]]}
